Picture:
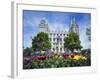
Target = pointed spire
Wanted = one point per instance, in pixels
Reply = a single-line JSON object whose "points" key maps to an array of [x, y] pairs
{"points": [[74, 26], [74, 20]]}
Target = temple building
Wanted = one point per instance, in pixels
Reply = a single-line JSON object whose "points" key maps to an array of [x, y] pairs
{"points": [[57, 37]]}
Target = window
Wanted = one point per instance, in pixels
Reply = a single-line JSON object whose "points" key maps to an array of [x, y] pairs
{"points": [[50, 34], [53, 39], [53, 49], [57, 39], [60, 39], [54, 34], [64, 34], [60, 49], [57, 48]]}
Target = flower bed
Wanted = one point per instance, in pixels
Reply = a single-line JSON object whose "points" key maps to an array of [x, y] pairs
{"points": [[57, 61]]}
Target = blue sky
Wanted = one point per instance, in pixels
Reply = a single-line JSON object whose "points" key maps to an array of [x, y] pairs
{"points": [[56, 21]]}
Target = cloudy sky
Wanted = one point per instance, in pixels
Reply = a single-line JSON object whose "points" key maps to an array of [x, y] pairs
{"points": [[56, 21]]}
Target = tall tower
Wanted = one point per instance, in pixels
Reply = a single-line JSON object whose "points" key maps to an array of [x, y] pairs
{"points": [[74, 26], [43, 26]]}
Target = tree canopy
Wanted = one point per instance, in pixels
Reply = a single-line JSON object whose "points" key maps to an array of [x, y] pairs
{"points": [[27, 51], [88, 33], [41, 42], [72, 41]]}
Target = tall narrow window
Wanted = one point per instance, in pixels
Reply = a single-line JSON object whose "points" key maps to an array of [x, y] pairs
{"points": [[60, 49], [53, 39]]}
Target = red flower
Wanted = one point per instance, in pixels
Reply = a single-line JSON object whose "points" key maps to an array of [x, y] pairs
{"points": [[41, 57], [67, 55], [72, 55]]}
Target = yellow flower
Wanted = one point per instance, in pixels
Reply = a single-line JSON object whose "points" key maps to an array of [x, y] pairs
{"points": [[77, 57], [84, 58], [60, 57]]}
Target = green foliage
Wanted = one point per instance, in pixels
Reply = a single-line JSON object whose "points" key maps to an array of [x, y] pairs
{"points": [[27, 51], [72, 41], [88, 33], [41, 42], [87, 53]]}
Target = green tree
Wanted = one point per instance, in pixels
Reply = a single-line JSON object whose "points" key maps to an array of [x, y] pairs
{"points": [[88, 33], [27, 51], [72, 42], [41, 42]]}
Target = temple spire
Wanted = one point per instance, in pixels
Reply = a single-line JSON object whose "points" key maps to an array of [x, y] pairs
{"points": [[74, 26], [73, 21], [43, 25]]}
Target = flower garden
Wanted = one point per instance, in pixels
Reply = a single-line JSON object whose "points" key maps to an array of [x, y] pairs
{"points": [[56, 61]]}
